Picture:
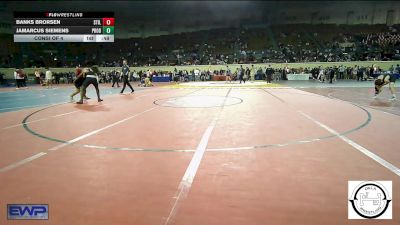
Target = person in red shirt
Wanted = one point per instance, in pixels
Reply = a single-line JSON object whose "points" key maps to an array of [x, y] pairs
{"points": [[78, 83]]}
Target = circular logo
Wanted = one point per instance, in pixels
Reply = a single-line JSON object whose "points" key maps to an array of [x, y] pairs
{"points": [[370, 199]]}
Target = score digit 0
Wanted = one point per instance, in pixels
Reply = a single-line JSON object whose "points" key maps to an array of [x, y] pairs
{"points": [[108, 21], [108, 30]]}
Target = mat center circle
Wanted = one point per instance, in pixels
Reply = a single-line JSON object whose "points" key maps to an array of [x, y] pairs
{"points": [[198, 101]]}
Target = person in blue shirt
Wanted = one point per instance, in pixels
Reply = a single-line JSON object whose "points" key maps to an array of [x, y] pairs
{"points": [[125, 76]]}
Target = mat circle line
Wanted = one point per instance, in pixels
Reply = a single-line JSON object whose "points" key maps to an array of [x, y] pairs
{"points": [[365, 123], [159, 101]]}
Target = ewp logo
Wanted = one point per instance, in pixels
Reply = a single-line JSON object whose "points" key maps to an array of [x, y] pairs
{"points": [[28, 212]]}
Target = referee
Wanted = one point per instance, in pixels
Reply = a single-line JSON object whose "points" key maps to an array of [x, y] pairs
{"points": [[125, 76]]}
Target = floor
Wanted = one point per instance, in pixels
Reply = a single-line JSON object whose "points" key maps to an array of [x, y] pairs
{"points": [[211, 154]]}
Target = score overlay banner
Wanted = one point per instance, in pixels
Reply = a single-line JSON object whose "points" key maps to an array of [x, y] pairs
{"points": [[64, 27]]}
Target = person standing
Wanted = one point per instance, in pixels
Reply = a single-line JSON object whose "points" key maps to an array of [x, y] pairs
{"points": [[371, 71], [321, 75], [135, 76], [3, 81], [57, 78], [252, 73], [341, 72], [19, 78], [331, 74], [49, 77], [37, 76], [246, 74], [285, 72], [269, 71], [228, 74], [115, 78], [360, 74], [16, 80], [125, 76], [397, 69], [24, 77], [196, 74], [240, 74], [90, 78]]}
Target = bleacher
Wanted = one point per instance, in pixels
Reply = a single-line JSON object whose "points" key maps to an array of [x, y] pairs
{"points": [[278, 43]]}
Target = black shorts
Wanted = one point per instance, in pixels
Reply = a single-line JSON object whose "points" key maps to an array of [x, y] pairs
{"points": [[392, 78], [88, 81], [79, 81]]}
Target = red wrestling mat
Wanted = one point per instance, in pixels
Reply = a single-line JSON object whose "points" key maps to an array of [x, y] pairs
{"points": [[244, 156]]}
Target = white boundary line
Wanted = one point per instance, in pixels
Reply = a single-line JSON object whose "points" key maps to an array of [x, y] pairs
{"points": [[191, 170], [20, 124], [361, 149], [58, 115], [45, 118], [31, 158], [31, 106], [99, 130], [187, 179], [38, 155], [49, 104], [64, 114], [38, 120], [22, 162]]}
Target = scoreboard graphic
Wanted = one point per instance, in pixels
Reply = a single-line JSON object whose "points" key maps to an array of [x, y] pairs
{"points": [[64, 26]]}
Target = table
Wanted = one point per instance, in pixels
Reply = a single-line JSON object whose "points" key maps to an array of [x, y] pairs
{"points": [[219, 78], [160, 79], [302, 76]]}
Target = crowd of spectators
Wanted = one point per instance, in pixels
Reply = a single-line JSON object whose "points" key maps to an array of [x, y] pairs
{"points": [[274, 44], [255, 72], [252, 72]]}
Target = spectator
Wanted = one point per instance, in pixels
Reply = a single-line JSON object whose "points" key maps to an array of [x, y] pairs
{"points": [[49, 77]]}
